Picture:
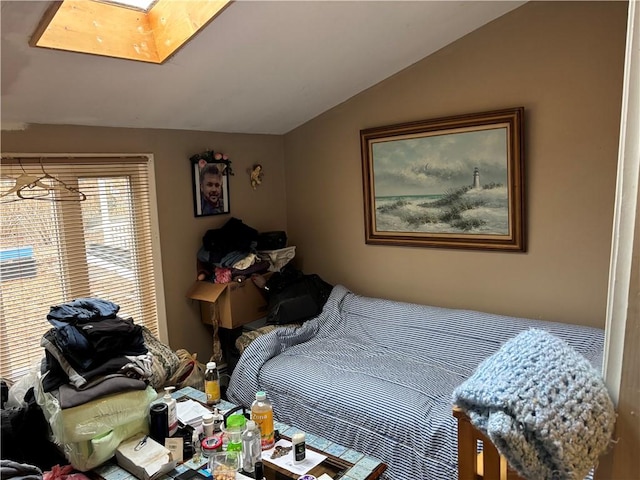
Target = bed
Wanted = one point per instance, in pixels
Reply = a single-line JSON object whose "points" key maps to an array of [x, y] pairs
{"points": [[377, 376]]}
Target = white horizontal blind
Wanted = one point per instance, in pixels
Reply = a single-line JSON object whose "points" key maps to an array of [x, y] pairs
{"points": [[81, 229]]}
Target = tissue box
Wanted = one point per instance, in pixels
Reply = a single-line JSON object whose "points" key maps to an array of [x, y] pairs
{"points": [[145, 458]]}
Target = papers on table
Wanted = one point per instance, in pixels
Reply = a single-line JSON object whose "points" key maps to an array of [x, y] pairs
{"points": [[144, 457], [190, 412], [286, 462]]}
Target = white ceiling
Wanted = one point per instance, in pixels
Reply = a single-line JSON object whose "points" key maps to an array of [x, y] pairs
{"points": [[259, 67]]}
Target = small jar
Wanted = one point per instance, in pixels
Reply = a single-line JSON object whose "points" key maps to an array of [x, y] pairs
{"points": [[207, 424], [211, 445], [299, 450]]}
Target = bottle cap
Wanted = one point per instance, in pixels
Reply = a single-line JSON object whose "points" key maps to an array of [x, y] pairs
{"points": [[211, 444], [207, 418], [236, 420], [251, 424], [261, 396], [167, 391], [211, 365], [259, 468]]}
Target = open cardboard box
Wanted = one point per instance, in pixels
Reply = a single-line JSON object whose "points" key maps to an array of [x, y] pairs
{"points": [[232, 304]]}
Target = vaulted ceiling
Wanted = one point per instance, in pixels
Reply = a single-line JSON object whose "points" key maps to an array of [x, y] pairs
{"points": [[259, 67]]}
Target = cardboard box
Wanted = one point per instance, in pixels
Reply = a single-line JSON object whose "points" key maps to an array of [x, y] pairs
{"points": [[144, 457], [231, 304]]}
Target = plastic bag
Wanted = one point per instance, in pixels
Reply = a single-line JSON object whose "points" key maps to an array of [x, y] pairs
{"points": [[190, 372], [18, 390]]}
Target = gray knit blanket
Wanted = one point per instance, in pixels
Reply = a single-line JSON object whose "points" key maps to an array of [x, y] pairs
{"points": [[542, 404]]}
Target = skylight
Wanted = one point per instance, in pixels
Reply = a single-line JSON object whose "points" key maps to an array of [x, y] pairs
{"points": [[143, 5], [130, 32]]}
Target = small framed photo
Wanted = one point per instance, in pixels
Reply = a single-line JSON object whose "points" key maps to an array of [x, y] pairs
{"points": [[210, 184], [454, 182]]}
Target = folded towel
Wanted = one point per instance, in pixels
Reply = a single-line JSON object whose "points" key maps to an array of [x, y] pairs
{"points": [[542, 404]]}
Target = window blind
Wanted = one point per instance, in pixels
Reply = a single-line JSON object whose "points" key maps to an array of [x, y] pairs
{"points": [[71, 228]]}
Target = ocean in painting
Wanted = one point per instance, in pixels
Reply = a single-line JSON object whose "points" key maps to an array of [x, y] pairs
{"points": [[480, 211]]}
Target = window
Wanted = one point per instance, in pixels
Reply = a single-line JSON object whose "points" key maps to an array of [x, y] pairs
{"points": [[83, 228], [142, 5], [145, 31]]}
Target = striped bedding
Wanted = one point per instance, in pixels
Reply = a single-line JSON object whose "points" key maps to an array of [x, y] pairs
{"points": [[377, 375]]}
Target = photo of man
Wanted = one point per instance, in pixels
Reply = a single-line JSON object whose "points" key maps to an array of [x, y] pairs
{"points": [[212, 184], [211, 200]]}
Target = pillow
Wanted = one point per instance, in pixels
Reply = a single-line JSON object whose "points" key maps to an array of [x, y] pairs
{"points": [[249, 336], [165, 360]]}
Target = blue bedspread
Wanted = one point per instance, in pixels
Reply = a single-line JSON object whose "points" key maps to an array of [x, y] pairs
{"points": [[377, 375]]}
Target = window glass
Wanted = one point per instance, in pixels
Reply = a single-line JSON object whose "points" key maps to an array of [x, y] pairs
{"points": [[81, 229]]}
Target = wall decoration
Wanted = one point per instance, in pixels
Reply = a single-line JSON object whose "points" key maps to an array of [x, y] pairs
{"points": [[455, 182], [255, 175], [210, 173]]}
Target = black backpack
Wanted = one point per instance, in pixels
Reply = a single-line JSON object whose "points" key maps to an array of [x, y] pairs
{"points": [[294, 297]]}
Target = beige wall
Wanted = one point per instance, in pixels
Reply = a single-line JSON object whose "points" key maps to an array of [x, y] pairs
{"points": [[180, 232], [563, 62]]}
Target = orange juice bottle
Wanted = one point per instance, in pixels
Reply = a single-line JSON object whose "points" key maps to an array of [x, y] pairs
{"points": [[262, 414], [212, 384]]}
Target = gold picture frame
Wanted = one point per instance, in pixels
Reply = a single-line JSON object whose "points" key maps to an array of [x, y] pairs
{"points": [[453, 182]]}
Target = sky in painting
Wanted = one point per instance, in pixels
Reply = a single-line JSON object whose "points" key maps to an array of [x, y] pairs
{"points": [[431, 165]]}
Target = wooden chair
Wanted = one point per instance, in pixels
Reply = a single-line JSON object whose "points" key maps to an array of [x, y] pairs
{"points": [[479, 464]]}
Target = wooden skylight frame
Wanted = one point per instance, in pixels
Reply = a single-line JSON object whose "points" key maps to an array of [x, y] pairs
{"points": [[112, 30]]}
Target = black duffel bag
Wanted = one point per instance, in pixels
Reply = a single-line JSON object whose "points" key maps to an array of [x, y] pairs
{"points": [[272, 240], [294, 297]]}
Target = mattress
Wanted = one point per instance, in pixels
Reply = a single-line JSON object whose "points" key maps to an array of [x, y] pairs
{"points": [[377, 375]]}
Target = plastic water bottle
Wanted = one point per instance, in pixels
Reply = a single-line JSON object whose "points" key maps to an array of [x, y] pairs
{"points": [[251, 447]]}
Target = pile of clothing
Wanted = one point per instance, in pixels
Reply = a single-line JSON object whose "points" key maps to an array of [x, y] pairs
{"points": [[25, 432], [94, 384], [236, 250], [91, 352]]}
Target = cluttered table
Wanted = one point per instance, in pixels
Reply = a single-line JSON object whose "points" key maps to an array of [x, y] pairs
{"points": [[325, 460]]}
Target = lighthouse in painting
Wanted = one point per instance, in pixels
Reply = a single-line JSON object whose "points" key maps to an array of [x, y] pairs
{"points": [[476, 178]]}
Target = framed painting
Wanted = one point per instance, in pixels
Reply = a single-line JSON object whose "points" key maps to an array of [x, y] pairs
{"points": [[210, 177], [455, 182]]}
